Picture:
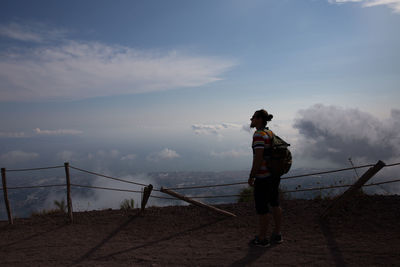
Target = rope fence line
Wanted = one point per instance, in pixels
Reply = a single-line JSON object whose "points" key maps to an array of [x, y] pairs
{"points": [[237, 195], [284, 178], [118, 189], [326, 172], [351, 188], [36, 186], [171, 198], [386, 182], [204, 186], [393, 164], [148, 188], [35, 169], [107, 188], [106, 176], [191, 187], [215, 196], [33, 186], [301, 190], [188, 187]]}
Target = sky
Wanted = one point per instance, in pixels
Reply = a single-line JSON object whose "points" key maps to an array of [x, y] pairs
{"points": [[141, 86]]}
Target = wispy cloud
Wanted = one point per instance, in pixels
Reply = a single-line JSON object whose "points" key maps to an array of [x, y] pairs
{"points": [[12, 134], [231, 154], [32, 32], [66, 155], [72, 69], [393, 4], [129, 157], [213, 128], [57, 132], [17, 156], [165, 154], [38, 131]]}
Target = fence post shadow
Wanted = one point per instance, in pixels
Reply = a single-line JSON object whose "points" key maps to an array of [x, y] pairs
{"points": [[31, 236], [331, 242], [87, 255], [105, 240]]}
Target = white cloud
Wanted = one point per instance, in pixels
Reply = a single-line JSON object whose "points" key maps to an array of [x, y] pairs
{"points": [[231, 154], [12, 134], [57, 132], [66, 155], [393, 4], [343, 1], [114, 153], [75, 70], [246, 128], [32, 32], [17, 156], [165, 154], [104, 154], [213, 128], [129, 157], [336, 133]]}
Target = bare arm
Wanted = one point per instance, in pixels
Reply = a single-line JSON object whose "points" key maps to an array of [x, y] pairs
{"points": [[257, 162]]}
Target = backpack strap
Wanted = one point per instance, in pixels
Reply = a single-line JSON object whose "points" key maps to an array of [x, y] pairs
{"points": [[270, 134]]}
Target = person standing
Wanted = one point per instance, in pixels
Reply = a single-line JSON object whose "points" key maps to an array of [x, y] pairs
{"points": [[265, 183]]}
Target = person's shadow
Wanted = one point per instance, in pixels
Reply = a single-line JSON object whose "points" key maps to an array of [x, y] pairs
{"points": [[252, 255]]}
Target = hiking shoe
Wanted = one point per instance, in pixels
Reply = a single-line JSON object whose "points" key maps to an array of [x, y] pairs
{"points": [[276, 238], [260, 243]]}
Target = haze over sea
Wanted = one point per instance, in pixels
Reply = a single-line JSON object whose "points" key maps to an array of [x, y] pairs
{"points": [[142, 89]]}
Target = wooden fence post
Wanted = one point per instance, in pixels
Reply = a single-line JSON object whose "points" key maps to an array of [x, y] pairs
{"points": [[146, 195], [195, 202], [3, 179], [69, 201], [354, 188]]}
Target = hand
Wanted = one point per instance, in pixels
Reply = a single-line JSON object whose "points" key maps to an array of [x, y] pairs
{"points": [[251, 181]]}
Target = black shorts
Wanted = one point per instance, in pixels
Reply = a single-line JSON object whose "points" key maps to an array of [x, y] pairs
{"points": [[266, 192]]}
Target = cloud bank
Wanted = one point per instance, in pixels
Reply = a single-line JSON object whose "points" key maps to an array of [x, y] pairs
{"points": [[215, 129], [233, 153], [70, 69], [12, 134], [40, 132], [165, 154], [57, 132], [336, 134], [33, 32], [393, 4], [17, 156]]}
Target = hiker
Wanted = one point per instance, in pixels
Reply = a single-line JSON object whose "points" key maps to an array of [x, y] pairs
{"points": [[264, 182]]}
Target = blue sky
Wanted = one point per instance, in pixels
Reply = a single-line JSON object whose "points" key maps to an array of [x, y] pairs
{"points": [[171, 85]]}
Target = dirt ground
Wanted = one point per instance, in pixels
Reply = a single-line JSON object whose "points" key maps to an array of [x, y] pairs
{"points": [[366, 232]]}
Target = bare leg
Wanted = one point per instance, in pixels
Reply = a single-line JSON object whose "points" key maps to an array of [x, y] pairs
{"points": [[263, 224], [277, 214]]}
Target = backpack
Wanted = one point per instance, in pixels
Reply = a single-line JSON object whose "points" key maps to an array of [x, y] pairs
{"points": [[278, 157]]}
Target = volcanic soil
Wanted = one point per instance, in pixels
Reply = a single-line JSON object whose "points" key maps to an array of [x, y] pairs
{"points": [[364, 232]]}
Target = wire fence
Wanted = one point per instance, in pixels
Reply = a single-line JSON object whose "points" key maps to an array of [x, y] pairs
{"points": [[192, 187], [35, 186], [283, 178], [107, 176], [35, 169], [238, 195]]}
